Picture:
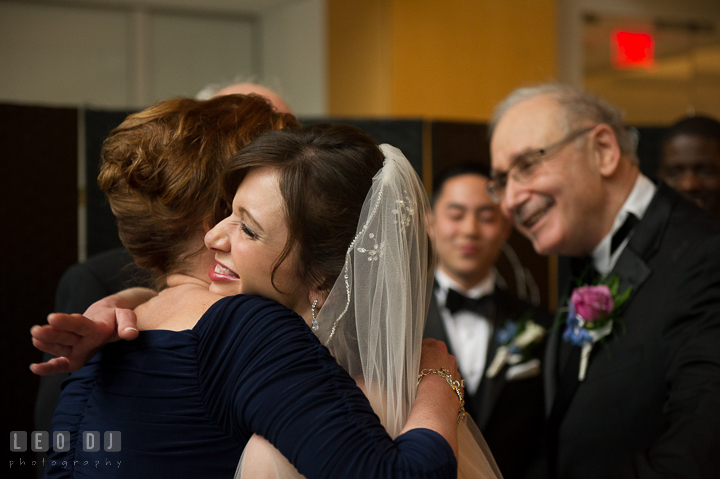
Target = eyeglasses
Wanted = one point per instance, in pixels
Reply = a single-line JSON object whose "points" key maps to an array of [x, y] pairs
{"points": [[524, 166]]}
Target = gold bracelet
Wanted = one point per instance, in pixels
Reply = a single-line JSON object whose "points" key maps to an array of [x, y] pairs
{"points": [[455, 385]]}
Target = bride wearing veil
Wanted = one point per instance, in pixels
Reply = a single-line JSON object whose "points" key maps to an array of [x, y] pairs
{"points": [[373, 318]]}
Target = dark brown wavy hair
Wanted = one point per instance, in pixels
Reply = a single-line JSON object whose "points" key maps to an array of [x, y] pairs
{"points": [[326, 171], [160, 170]]}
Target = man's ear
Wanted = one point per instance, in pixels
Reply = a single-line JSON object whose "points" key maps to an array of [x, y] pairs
{"points": [[605, 150]]}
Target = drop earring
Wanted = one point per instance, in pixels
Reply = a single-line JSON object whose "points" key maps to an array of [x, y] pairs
{"points": [[314, 319]]}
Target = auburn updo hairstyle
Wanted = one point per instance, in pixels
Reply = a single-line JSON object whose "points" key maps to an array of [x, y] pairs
{"points": [[160, 170]]}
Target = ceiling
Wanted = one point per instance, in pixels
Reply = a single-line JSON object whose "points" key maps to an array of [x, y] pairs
{"points": [[241, 7]]}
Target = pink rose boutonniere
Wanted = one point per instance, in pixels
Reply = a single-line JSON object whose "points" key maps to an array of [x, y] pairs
{"points": [[592, 302], [591, 313]]}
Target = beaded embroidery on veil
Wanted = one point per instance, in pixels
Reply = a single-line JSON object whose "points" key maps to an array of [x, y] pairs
{"points": [[373, 319]]}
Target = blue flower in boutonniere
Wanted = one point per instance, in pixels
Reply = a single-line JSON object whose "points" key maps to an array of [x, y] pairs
{"points": [[516, 340], [591, 313]]}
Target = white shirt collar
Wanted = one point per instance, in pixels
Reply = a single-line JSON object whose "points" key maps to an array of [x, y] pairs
{"points": [[483, 288], [637, 203]]}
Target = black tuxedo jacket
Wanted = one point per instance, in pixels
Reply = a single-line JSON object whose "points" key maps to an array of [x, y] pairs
{"points": [[509, 413], [649, 406]]}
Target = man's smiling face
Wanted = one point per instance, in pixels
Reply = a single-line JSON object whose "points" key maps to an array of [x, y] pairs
{"points": [[468, 228], [554, 207]]}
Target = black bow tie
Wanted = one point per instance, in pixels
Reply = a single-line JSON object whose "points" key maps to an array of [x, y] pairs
{"points": [[583, 269], [456, 301], [623, 232]]}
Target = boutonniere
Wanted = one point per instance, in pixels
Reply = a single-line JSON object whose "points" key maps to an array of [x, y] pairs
{"points": [[591, 313], [516, 340]]}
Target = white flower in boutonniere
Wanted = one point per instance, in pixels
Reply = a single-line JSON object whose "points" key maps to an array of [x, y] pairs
{"points": [[516, 339], [591, 313]]}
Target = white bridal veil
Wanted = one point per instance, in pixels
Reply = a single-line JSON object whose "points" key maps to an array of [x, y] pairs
{"points": [[373, 319]]}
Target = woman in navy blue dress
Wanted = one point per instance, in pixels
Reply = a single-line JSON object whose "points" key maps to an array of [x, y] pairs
{"points": [[206, 373]]}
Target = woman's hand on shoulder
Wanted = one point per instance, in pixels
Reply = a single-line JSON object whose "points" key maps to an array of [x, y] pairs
{"points": [[75, 338]]}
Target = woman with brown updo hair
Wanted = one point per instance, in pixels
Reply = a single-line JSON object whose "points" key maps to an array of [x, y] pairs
{"points": [[160, 169], [206, 372]]}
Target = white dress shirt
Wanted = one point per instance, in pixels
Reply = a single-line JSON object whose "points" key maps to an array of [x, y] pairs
{"points": [[468, 331], [637, 204]]}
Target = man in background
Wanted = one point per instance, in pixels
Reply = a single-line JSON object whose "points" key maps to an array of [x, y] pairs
{"points": [[637, 396], [469, 312], [691, 161]]}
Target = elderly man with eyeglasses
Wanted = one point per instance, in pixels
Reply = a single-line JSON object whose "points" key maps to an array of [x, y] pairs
{"points": [[632, 373]]}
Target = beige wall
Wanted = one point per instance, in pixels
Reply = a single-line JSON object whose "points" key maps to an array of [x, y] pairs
{"points": [[442, 60], [293, 59], [359, 55], [129, 54]]}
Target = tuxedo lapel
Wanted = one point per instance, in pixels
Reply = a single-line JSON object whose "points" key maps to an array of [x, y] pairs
{"points": [[632, 268], [490, 388], [557, 353], [550, 367], [434, 327]]}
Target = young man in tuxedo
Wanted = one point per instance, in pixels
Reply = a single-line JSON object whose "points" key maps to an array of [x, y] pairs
{"points": [[648, 405], [468, 310]]}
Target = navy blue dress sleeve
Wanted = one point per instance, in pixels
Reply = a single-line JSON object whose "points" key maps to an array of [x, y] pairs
{"points": [[265, 372], [68, 415]]}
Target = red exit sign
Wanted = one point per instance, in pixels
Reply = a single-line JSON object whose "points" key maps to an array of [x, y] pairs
{"points": [[632, 50]]}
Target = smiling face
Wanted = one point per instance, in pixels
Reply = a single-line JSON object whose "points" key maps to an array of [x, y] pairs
{"points": [[248, 242], [691, 165], [556, 207], [468, 228]]}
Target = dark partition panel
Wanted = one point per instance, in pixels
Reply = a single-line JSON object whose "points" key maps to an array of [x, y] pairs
{"points": [[403, 134], [102, 233], [455, 143], [649, 149], [38, 198]]}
